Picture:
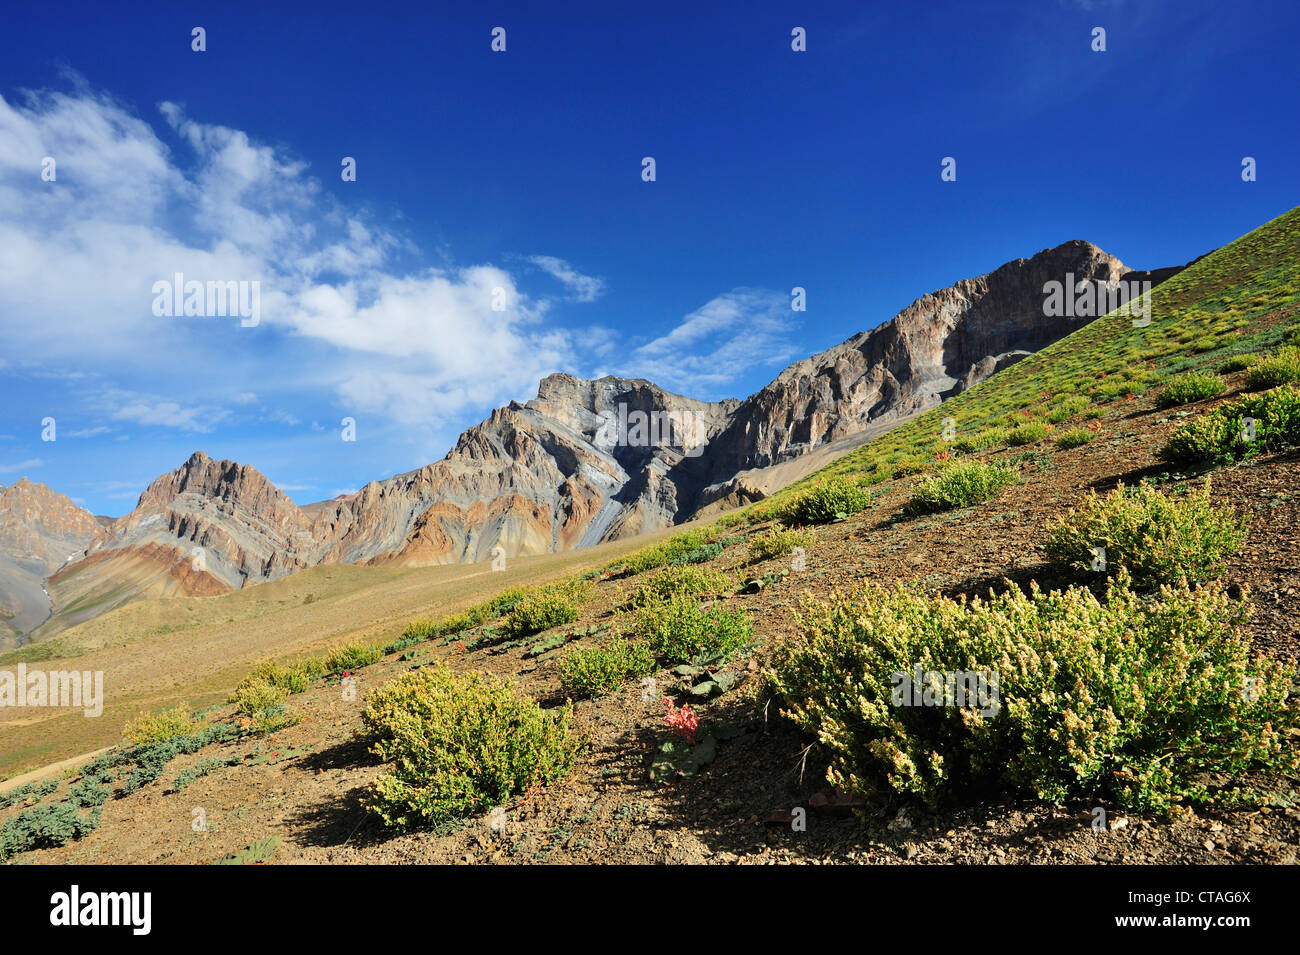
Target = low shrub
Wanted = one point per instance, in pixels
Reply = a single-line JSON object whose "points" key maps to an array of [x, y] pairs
{"points": [[31, 791], [1028, 433], [459, 744], [677, 629], [673, 581], [1281, 369], [545, 607], [907, 467], [252, 696], [1223, 435], [153, 728], [1158, 538], [778, 542], [292, 678], [45, 827], [1193, 386], [1236, 363], [665, 552], [994, 437], [595, 671], [352, 656], [829, 500], [1074, 438], [960, 484], [1127, 700], [1067, 409]]}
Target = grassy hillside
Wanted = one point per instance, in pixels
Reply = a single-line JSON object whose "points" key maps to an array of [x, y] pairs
{"points": [[1237, 301]]}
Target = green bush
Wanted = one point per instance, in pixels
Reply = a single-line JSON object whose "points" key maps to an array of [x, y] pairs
{"points": [[960, 484], [778, 542], [292, 678], [253, 696], [1193, 386], [830, 500], [145, 730], [1221, 435], [1236, 363], [595, 671], [34, 791], [459, 744], [352, 656], [672, 580], [1029, 433], [1283, 368], [1067, 409], [1074, 438], [545, 607], [677, 629], [907, 467], [45, 827], [1125, 700], [666, 552], [1159, 538], [994, 437]]}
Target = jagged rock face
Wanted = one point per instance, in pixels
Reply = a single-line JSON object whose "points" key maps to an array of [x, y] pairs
{"points": [[223, 519], [941, 344], [588, 461], [40, 531]]}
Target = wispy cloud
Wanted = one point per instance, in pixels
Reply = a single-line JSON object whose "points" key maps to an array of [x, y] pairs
{"points": [[21, 466], [715, 344], [585, 288]]}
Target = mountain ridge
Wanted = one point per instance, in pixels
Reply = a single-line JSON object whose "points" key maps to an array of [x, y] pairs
{"points": [[585, 460]]}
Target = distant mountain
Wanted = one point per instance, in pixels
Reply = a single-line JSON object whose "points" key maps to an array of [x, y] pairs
{"points": [[584, 461], [40, 531]]}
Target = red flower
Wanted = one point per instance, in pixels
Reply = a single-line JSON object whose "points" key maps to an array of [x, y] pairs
{"points": [[683, 721]]}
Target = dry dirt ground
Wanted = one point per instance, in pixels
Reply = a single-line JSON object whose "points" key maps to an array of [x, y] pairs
{"points": [[302, 785]]}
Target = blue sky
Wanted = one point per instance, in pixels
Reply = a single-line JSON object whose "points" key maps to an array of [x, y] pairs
{"points": [[522, 171]]}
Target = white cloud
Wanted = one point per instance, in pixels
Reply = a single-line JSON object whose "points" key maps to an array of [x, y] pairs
{"points": [[127, 209], [715, 344], [585, 288], [161, 412], [21, 465]]}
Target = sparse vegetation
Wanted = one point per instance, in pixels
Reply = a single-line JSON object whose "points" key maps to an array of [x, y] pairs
{"points": [[152, 728], [1158, 537], [1121, 699], [960, 484], [1185, 389], [595, 671], [778, 542], [459, 744], [677, 629]]}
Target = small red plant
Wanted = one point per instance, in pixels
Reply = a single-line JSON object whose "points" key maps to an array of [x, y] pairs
{"points": [[684, 722], [942, 456]]}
